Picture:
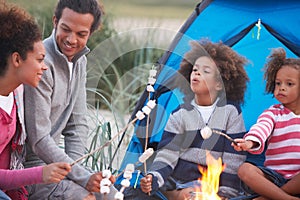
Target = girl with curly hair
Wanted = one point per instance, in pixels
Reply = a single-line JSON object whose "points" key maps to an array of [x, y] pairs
{"points": [[278, 128], [214, 80]]}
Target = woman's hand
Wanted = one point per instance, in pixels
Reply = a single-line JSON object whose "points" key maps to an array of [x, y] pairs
{"points": [[55, 172]]}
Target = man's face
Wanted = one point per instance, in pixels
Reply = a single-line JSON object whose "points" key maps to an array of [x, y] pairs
{"points": [[72, 31]]}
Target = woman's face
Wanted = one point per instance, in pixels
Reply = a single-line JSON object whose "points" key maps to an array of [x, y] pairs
{"points": [[287, 86], [31, 69], [204, 77]]}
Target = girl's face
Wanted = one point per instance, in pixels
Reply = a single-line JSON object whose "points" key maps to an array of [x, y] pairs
{"points": [[287, 87], [204, 79], [31, 69]]}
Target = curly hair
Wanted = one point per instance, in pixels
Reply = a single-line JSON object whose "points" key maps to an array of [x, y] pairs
{"points": [[19, 31], [82, 6], [229, 63], [276, 60]]}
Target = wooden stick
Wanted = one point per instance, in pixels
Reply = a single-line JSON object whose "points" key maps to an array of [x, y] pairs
{"points": [[225, 135], [106, 144]]}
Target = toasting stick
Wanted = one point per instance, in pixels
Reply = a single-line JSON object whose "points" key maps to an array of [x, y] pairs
{"points": [[206, 132]]}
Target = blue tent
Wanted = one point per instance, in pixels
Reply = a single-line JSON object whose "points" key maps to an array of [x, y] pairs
{"points": [[252, 28]]}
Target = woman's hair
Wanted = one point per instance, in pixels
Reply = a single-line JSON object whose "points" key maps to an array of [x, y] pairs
{"points": [[276, 61], [229, 63], [18, 33], [83, 7]]}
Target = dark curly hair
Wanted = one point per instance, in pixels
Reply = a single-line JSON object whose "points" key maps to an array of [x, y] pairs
{"points": [[229, 63], [18, 33], [276, 61], [82, 6]]}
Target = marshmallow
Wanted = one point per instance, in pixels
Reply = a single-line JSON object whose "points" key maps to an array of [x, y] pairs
{"points": [[106, 173], [150, 88], [104, 189], [128, 171], [151, 104], [119, 196], [140, 115], [105, 182], [146, 155], [146, 110], [125, 183], [206, 132], [151, 80], [152, 72]]}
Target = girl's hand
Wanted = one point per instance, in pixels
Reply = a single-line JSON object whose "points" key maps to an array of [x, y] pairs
{"points": [[243, 145], [146, 183]]}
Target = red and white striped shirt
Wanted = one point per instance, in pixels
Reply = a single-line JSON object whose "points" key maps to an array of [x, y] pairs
{"points": [[281, 128]]}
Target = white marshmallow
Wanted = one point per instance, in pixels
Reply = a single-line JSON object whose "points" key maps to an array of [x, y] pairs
{"points": [[151, 104], [104, 190], [125, 183], [146, 155], [119, 196], [150, 88], [106, 173], [140, 115], [206, 132], [151, 80], [146, 110], [105, 182], [152, 72]]}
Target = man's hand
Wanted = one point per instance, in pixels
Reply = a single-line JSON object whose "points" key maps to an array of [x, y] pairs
{"points": [[93, 184]]}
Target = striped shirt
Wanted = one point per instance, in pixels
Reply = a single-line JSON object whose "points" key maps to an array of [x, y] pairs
{"points": [[182, 149], [280, 127]]}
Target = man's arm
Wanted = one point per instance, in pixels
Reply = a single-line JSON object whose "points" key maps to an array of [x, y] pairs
{"points": [[44, 133]]}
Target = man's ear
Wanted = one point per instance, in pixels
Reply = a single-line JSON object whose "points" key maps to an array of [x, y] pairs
{"points": [[54, 21]]}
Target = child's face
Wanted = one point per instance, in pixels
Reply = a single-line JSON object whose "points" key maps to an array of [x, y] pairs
{"points": [[31, 69], [287, 86], [203, 78]]}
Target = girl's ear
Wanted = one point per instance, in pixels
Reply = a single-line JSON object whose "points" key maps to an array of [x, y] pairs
{"points": [[219, 85]]}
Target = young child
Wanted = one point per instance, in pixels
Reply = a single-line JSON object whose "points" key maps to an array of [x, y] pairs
{"points": [[217, 80], [21, 61], [279, 128]]}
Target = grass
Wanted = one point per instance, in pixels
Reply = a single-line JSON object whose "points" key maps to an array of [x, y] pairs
{"points": [[180, 9]]}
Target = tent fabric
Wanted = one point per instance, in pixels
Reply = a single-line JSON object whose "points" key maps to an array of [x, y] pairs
{"points": [[234, 23]]}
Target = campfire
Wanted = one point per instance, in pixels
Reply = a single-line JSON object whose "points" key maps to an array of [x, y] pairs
{"points": [[209, 180]]}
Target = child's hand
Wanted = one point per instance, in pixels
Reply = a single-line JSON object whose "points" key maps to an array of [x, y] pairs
{"points": [[55, 172], [146, 183], [243, 145]]}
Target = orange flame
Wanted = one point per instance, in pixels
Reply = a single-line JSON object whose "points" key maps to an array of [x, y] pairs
{"points": [[210, 179]]}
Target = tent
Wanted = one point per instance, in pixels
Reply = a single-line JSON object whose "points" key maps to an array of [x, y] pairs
{"points": [[252, 28]]}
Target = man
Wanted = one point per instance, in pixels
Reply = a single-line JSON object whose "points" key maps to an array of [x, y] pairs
{"points": [[58, 105]]}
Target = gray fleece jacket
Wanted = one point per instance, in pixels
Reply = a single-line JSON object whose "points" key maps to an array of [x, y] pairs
{"points": [[58, 107]]}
